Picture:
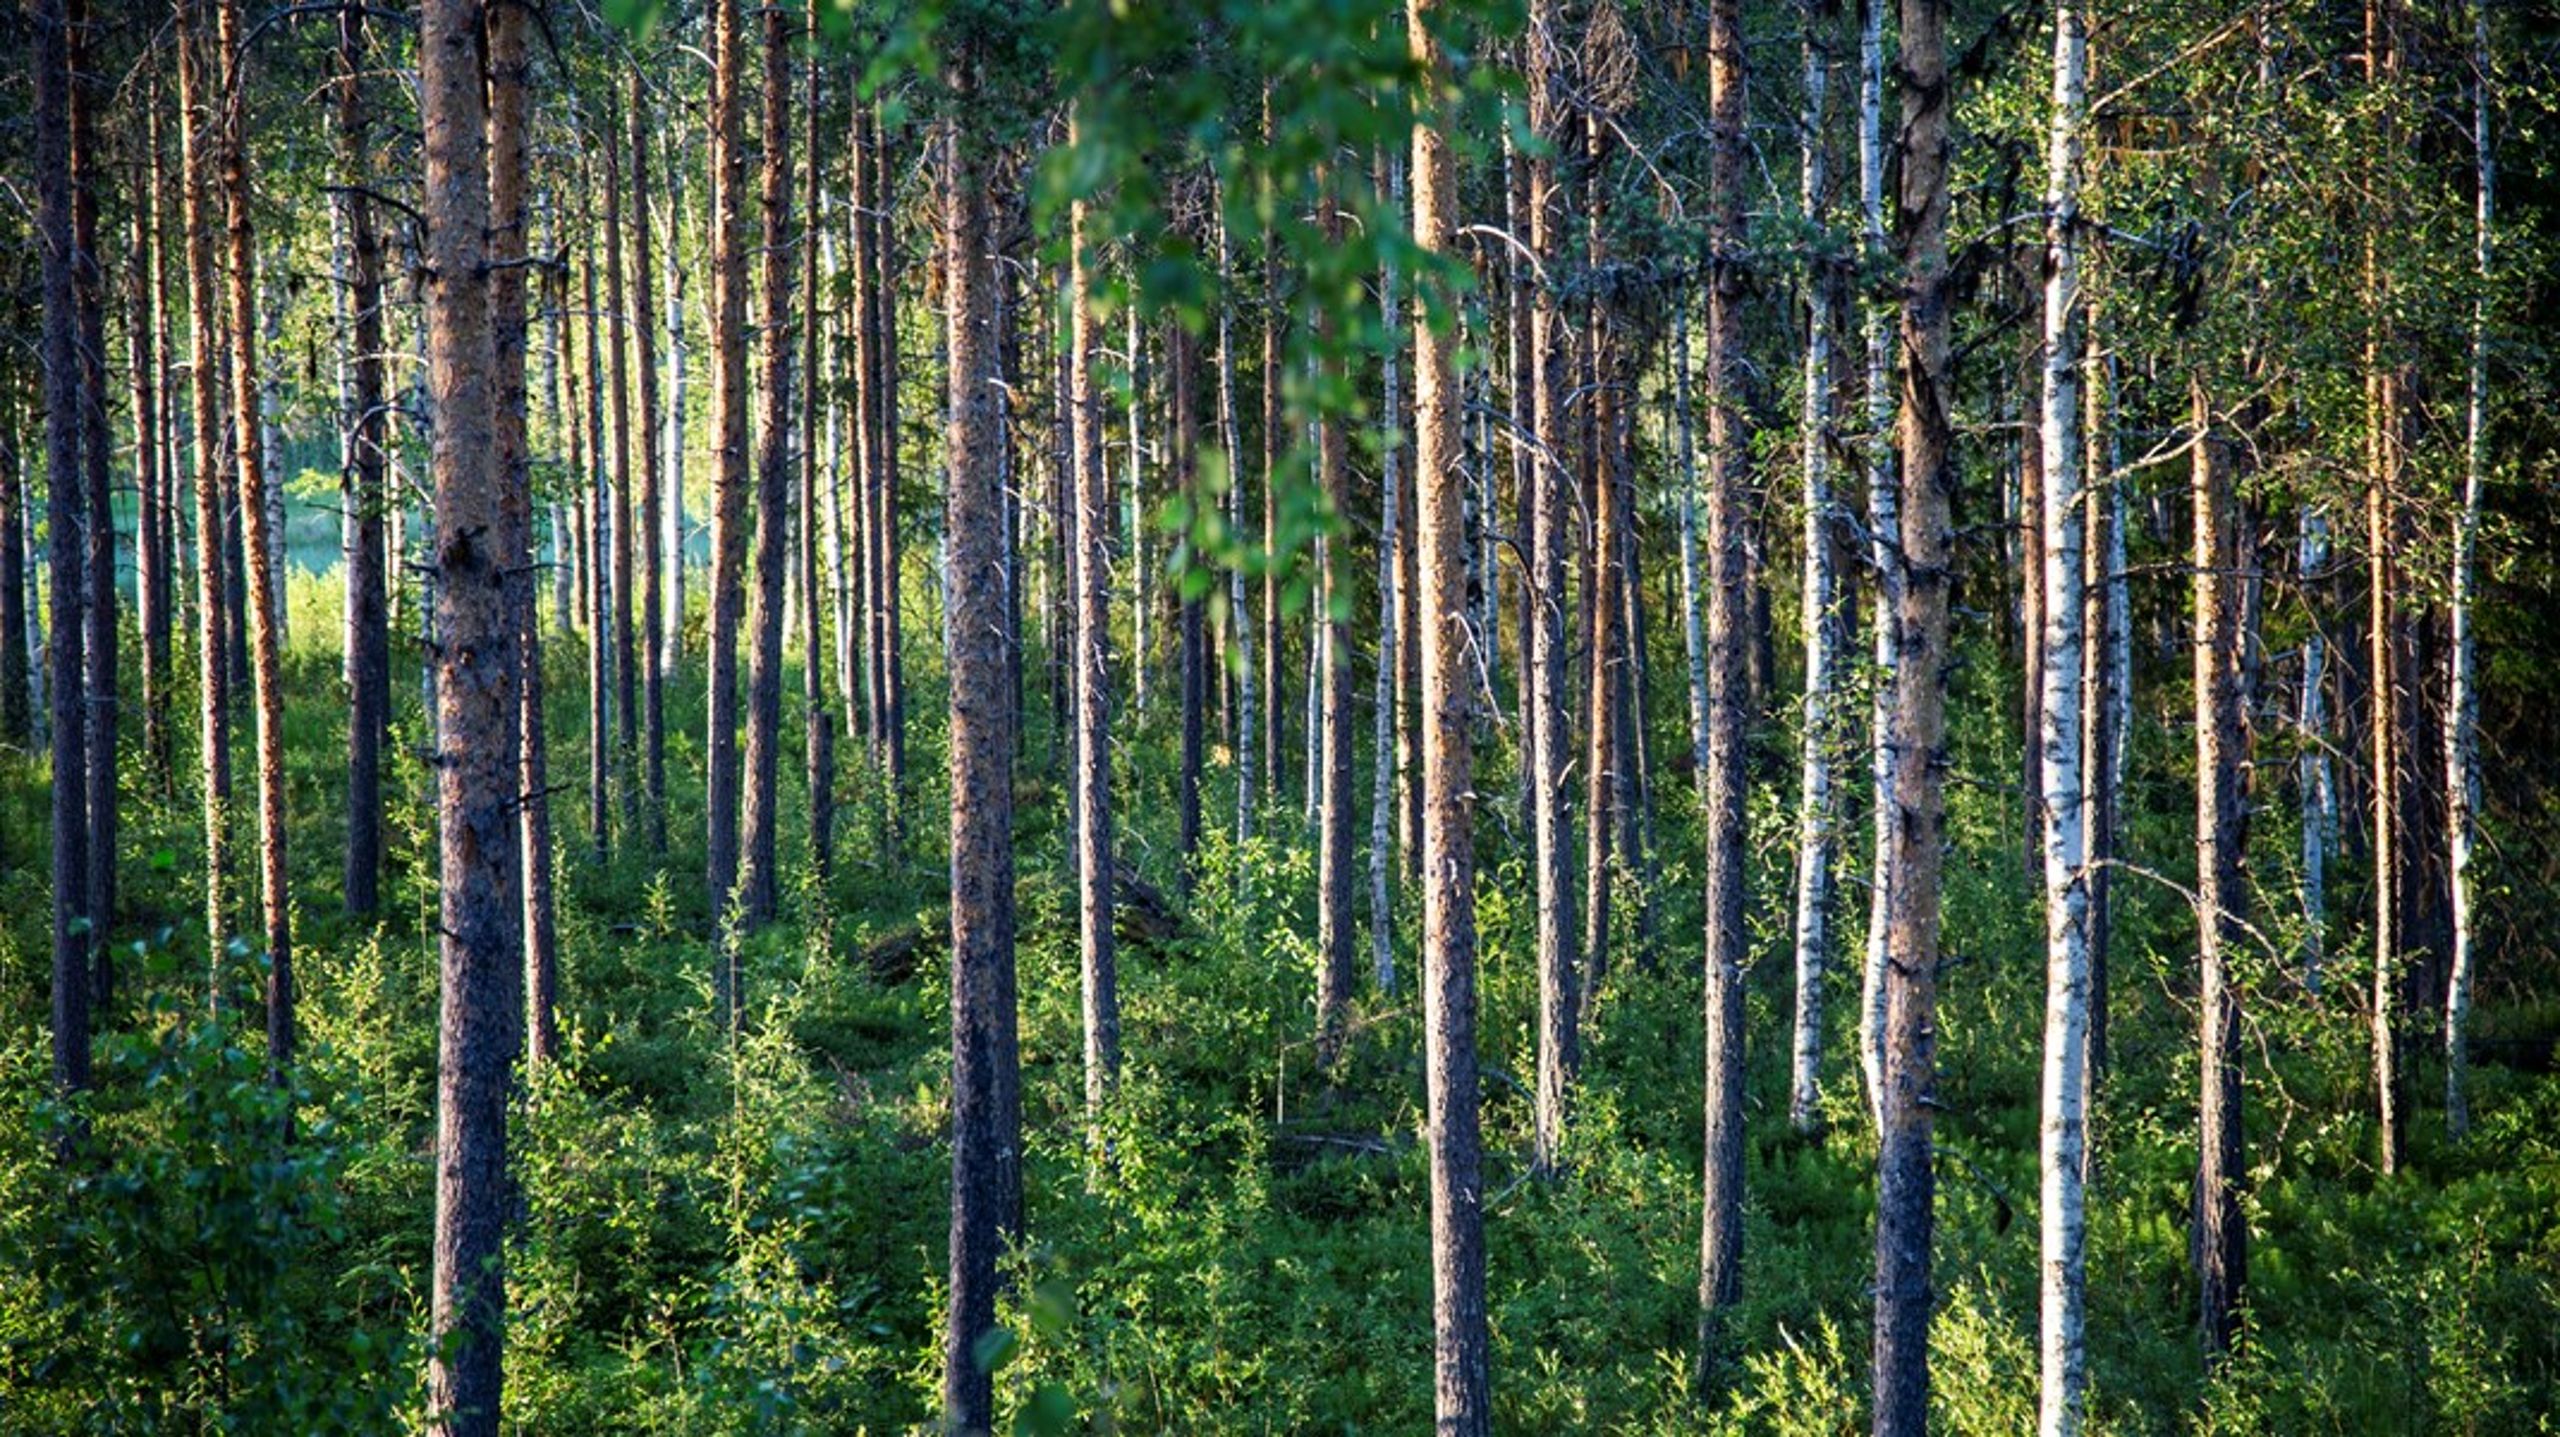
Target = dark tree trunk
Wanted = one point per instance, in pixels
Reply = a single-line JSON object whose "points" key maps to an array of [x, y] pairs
{"points": [[51, 42], [213, 594], [476, 685], [1183, 358], [729, 493], [1334, 934], [1905, 1182], [17, 719], [615, 322], [369, 622], [150, 551], [986, 1114], [1090, 799], [773, 485], [653, 619], [98, 629], [819, 756]]}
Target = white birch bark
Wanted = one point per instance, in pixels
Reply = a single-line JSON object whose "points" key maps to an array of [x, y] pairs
{"points": [[2462, 747], [2063, 1215], [1883, 524], [1693, 623], [1821, 608]]}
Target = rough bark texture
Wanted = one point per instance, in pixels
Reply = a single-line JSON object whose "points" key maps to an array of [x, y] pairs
{"points": [[213, 595], [369, 616], [1550, 513], [1335, 938], [262, 547], [54, 204], [652, 517], [1463, 1384], [986, 1111], [1906, 1185], [729, 490], [475, 764], [2063, 1142], [617, 379], [1728, 449], [2221, 1230], [1821, 611], [773, 484], [2462, 744], [1387, 764], [99, 698], [1091, 505], [1883, 556]]}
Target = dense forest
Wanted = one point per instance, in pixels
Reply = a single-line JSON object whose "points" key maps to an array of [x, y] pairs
{"points": [[1279, 715]]}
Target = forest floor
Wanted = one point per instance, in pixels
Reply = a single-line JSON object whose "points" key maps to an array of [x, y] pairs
{"points": [[750, 1237]]}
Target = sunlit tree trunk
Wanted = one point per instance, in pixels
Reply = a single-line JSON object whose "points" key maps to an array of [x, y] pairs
{"points": [[1550, 510], [2382, 624], [986, 1115], [773, 483], [2062, 1148], [1462, 1384], [1729, 457], [651, 519], [1821, 605], [1884, 558], [476, 770], [729, 490], [1088, 546], [2462, 744], [1905, 1183], [261, 548], [2221, 1241], [213, 718]]}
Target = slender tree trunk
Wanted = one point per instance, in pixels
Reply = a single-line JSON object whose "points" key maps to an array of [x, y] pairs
{"points": [[1728, 449], [1905, 1181], [98, 549], [1462, 1366], [729, 488], [198, 145], [986, 1113], [2063, 1146], [368, 443], [55, 180], [1091, 505], [476, 770], [2462, 744], [2382, 624], [17, 718], [597, 482], [1389, 762], [1604, 588], [1249, 711], [1559, 960], [1821, 605], [1183, 358], [893, 683], [260, 545], [819, 743], [1142, 595], [2221, 827], [1884, 558], [651, 519], [142, 340], [1334, 935], [867, 432], [1275, 446], [672, 540], [773, 484], [617, 327], [2315, 774], [1693, 624], [529, 992], [2031, 604]]}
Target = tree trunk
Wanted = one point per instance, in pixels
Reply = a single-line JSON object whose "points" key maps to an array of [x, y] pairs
{"points": [[651, 518], [1604, 588], [476, 771], [529, 992], [54, 146], [2221, 828], [597, 482], [1463, 1384], [1729, 452], [773, 484], [1182, 357], [986, 1114], [1334, 936], [260, 545], [198, 145], [1091, 505], [2106, 709], [1905, 1183], [2383, 456], [729, 490], [1275, 446], [1883, 558], [819, 742], [1559, 961], [17, 719], [2462, 744], [1387, 766], [672, 540], [1249, 712], [142, 348], [2062, 1153], [367, 582], [616, 324], [1821, 606], [98, 533]]}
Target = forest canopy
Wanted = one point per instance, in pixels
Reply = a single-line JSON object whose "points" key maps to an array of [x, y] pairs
{"points": [[1524, 715]]}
